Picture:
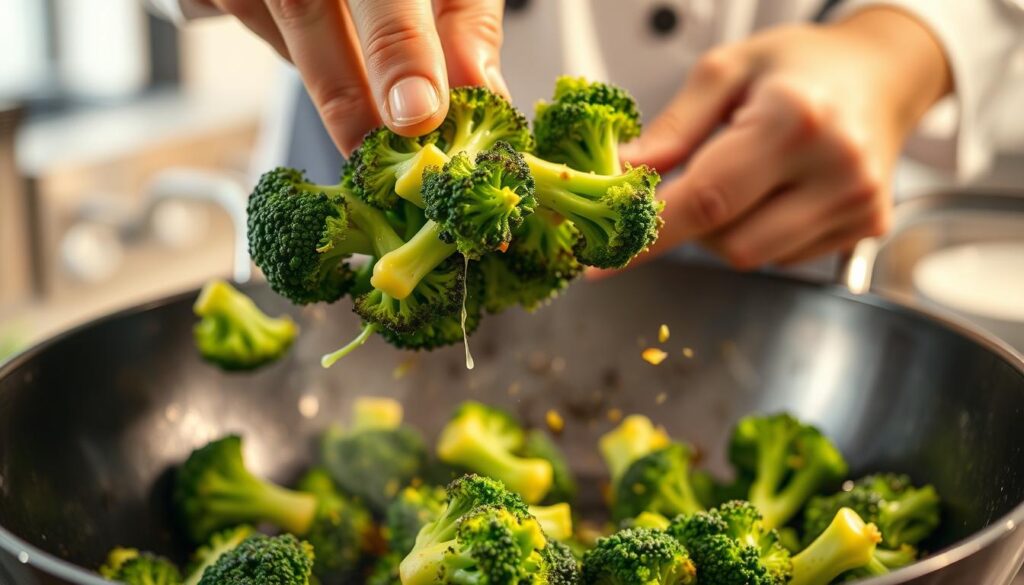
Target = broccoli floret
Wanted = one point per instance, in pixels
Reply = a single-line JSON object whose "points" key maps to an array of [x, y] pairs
{"points": [[731, 546], [560, 566], [556, 520], [657, 482], [635, 437], [638, 556], [409, 513], [385, 570], [847, 544], [234, 333], [584, 124], [300, 235], [214, 490], [443, 330], [477, 119], [277, 560], [437, 294], [563, 485], [220, 543], [787, 461], [373, 463], [387, 166], [484, 439], [342, 533], [616, 215], [131, 567], [478, 203]]}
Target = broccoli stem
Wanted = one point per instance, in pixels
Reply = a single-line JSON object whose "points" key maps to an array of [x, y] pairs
{"points": [[422, 565], [902, 517], [330, 359], [373, 223], [848, 543], [292, 511], [409, 174], [574, 194], [602, 157], [399, 271]]}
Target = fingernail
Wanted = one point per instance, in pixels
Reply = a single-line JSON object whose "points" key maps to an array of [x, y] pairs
{"points": [[497, 81], [412, 100]]}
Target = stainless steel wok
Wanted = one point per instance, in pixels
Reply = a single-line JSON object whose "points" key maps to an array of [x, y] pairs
{"points": [[91, 422]]}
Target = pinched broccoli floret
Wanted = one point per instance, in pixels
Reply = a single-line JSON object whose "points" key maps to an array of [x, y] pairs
{"points": [[638, 556], [277, 560], [220, 543], [787, 462], [410, 511], [437, 294], [213, 489], [343, 532], [616, 215], [584, 124], [731, 546], [847, 544], [443, 330], [387, 166], [234, 333], [300, 235], [556, 520], [478, 203], [563, 485], [484, 439], [657, 482], [477, 119], [635, 437], [131, 567], [373, 462]]}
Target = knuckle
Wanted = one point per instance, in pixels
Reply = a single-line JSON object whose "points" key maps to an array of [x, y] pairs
{"points": [[295, 13], [389, 40], [713, 67], [877, 223], [865, 187], [808, 114], [739, 256], [338, 103], [707, 207]]}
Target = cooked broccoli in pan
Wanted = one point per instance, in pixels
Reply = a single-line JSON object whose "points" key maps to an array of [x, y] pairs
{"points": [[277, 560], [131, 567]]}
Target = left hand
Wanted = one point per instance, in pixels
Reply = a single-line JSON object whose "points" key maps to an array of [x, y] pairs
{"points": [[809, 121]]}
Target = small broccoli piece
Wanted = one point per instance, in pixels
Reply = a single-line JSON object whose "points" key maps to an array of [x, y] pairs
{"points": [[847, 544], [635, 437], [342, 533], [617, 215], [213, 490], [638, 556], [234, 333], [373, 463], [584, 125], [657, 482], [385, 570], [477, 119], [560, 566], [409, 513], [650, 520], [787, 461], [301, 234], [437, 294], [478, 203], [220, 543], [731, 546], [539, 444], [131, 567], [556, 520], [484, 439], [277, 560], [387, 166], [442, 330], [374, 412]]}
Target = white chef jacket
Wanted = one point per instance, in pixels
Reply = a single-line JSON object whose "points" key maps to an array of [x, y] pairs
{"points": [[618, 41]]}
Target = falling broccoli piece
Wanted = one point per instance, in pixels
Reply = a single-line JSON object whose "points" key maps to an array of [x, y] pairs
{"points": [[787, 462], [213, 489], [409, 513], [478, 203], [234, 333], [556, 520], [563, 485], [484, 439], [342, 533], [388, 167], [477, 119], [220, 543], [847, 544], [301, 234], [584, 125], [730, 545], [131, 567], [635, 437], [277, 560], [616, 215], [657, 482], [638, 556]]}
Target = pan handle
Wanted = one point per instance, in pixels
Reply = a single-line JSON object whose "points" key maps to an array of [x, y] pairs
{"points": [[856, 267]]}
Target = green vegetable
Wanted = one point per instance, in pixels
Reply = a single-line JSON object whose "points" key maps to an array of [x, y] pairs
{"points": [[409, 512], [234, 333], [478, 119], [278, 560], [847, 544], [635, 437], [343, 532], [220, 543], [555, 520], [638, 556], [131, 567], [657, 482], [538, 444]]}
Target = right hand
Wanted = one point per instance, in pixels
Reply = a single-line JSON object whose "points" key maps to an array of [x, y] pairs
{"points": [[365, 62]]}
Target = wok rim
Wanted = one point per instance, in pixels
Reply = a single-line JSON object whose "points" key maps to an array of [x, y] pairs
{"points": [[53, 565]]}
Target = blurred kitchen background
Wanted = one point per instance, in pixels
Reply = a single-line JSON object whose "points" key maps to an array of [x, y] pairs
{"points": [[127, 147]]}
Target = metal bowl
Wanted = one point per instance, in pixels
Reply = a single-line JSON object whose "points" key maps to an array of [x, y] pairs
{"points": [[92, 421]]}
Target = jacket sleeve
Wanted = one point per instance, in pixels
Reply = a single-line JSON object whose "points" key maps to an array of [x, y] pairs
{"points": [[179, 11], [984, 44]]}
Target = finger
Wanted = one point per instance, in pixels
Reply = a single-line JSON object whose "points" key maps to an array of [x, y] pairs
{"points": [[842, 238], [471, 34], [404, 62], [321, 41], [256, 17], [715, 84]]}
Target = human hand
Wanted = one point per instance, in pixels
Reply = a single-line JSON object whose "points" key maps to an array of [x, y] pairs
{"points": [[370, 61], [810, 121]]}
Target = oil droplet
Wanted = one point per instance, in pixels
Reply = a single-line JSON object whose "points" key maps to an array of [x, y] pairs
{"points": [[465, 336], [23, 557]]}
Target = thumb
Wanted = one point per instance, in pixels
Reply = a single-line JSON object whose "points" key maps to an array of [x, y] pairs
{"points": [[471, 33], [714, 86]]}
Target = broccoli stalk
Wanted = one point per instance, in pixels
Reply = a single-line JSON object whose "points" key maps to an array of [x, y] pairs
{"points": [[485, 440], [616, 215], [129, 566], [638, 556], [220, 543], [401, 269], [848, 543], [635, 437], [281, 560], [234, 333], [657, 482], [556, 520], [388, 166]]}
